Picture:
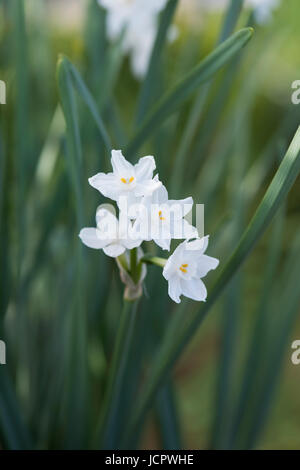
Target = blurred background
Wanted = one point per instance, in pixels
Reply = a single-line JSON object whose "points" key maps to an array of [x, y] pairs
{"points": [[59, 316]]}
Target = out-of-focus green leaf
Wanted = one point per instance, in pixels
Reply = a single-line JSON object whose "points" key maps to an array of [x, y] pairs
{"points": [[110, 427], [254, 366], [276, 323], [179, 94], [89, 101], [149, 84], [77, 366], [12, 428], [225, 399]]}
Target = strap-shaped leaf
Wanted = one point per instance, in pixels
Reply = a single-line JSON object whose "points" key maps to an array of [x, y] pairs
{"points": [[90, 103], [13, 430], [182, 329], [147, 92], [76, 376], [181, 92]]}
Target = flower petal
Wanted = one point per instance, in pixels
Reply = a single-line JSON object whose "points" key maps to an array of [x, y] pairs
{"points": [[106, 184], [181, 207], [182, 229], [198, 245], [90, 237], [114, 250], [144, 168], [194, 289], [205, 264], [107, 224], [129, 244], [174, 289], [164, 243], [147, 187], [172, 264], [119, 163]]}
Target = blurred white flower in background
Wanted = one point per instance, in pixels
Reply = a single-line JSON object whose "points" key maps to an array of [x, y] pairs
{"points": [[263, 9], [138, 21]]}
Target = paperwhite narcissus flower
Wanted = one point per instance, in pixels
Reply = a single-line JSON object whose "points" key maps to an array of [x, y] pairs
{"points": [[137, 20], [185, 269], [112, 237], [263, 9], [127, 180], [161, 219]]}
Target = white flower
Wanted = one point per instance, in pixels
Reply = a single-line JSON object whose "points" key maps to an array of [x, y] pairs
{"points": [[262, 8], [161, 219], [110, 235], [186, 267], [137, 20], [127, 180]]}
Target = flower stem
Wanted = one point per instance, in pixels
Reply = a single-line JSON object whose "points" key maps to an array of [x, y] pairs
{"points": [[134, 265], [149, 259], [123, 262], [110, 428]]}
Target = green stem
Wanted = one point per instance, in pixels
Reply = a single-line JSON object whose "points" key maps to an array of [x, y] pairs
{"points": [[123, 262], [149, 259], [133, 265], [110, 428]]}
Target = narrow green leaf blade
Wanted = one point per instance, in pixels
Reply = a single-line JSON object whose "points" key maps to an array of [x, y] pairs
{"points": [[180, 93], [13, 430], [77, 356], [90, 103], [147, 92]]}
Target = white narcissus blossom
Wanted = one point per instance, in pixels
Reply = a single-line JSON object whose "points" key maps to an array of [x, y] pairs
{"points": [[112, 237], [137, 20], [127, 180], [160, 219], [263, 9], [185, 269]]}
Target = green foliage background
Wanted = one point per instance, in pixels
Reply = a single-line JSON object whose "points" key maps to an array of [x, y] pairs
{"points": [[61, 303]]}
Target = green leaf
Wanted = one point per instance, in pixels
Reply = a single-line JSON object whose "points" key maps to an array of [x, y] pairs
{"points": [[254, 367], [276, 329], [232, 15], [230, 19], [170, 102], [167, 417], [147, 90], [109, 427], [12, 427], [77, 368], [232, 304], [182, 328], [89, 101]]}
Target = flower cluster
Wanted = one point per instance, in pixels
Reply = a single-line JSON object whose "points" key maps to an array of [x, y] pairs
{"points": [[146, 213], [137, 20]]}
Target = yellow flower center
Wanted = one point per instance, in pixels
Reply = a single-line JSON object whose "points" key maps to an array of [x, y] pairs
{"points": [[183, 268], [128, 180], [160, 216]]}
